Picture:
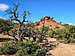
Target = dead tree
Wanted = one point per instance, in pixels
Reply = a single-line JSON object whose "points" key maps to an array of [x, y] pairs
{"points": [[15, 17]]}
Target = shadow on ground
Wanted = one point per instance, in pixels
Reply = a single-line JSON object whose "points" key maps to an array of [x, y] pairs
{"points": [[4, 39]]}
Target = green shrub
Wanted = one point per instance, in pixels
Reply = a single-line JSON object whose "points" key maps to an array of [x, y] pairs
{"points": [[1, 51], [8, 48], [73, 40], [65, 40], [13, 31], [27, 48]]}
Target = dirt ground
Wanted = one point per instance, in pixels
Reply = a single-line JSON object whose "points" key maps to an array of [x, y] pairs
{"points": [[5, 36], [64, 50]]}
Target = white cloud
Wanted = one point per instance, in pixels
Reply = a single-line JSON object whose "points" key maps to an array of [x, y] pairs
{"points": [[3, 7], [2, 17], [70, 23]]}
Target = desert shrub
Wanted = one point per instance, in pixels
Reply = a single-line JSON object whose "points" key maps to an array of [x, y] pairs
{"points": [[1, 51], [44, 29], [5, 26], [13, 31], [30, 52], [60, 33], [65, 40], [51, 33], [27, 48], [70, 40], [8, 48], [57, 33], [73, 40], [43, 32], [71, 34], [67, 34]]}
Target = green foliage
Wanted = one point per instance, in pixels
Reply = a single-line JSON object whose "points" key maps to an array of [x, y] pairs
{"points": [[57, 26], [30, 49], [26, 48], [1, 51], [4, 26], [45, 29], [8, 48], [67, 34], [50, 33], [13, 31], [60, 33], [73, 40]]}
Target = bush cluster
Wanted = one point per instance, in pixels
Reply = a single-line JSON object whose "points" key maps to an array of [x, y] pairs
{"points": [[26, 48], [67, 34]]}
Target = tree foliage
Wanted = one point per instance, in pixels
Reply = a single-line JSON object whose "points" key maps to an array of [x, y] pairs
{"points": [[26, 48]]}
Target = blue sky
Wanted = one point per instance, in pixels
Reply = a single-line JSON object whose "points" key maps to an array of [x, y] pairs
{"points": [[61, 10]]}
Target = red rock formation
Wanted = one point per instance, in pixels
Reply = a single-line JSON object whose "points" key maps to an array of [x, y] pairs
{"points": [[49, 22]]}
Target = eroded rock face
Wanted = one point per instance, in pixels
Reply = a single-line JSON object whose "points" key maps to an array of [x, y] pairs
{"points": [[49, 22]]}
